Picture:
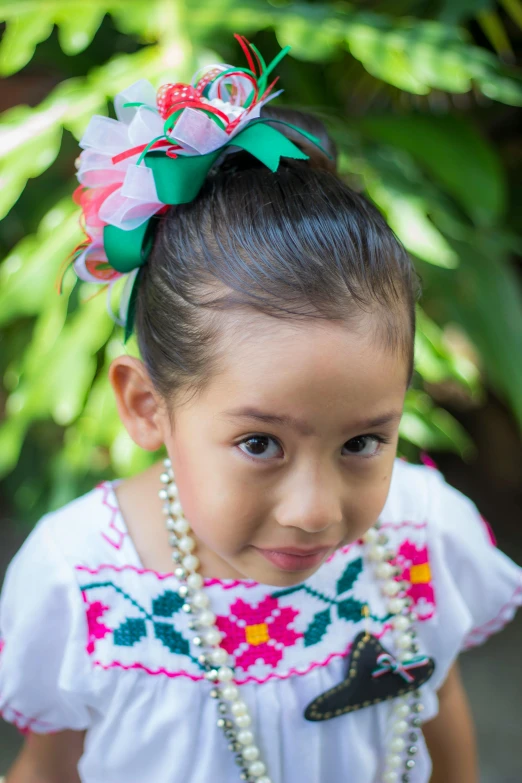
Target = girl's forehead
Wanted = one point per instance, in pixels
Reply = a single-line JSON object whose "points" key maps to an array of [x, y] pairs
{"points": [[312, 365], [306, 346]]}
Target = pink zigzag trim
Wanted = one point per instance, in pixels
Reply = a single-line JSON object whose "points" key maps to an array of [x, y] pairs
{"points": [[22, 723], [107, 490], [422, 617], [405, 523], [126, 567], [479, 635], [259, 681], [142, 667], [228, 585], [159, 575]]}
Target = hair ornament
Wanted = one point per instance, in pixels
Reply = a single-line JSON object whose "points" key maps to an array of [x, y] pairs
{"points": [[158, 152]]}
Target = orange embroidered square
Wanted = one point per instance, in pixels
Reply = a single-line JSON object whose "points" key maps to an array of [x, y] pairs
{"points": [[257, 634], [420, 573]]}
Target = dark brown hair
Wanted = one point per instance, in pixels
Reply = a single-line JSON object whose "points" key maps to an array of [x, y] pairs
{"points": [[298, 243]]}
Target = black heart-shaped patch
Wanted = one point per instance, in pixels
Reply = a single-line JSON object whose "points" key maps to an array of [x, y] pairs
{"points": [[373, 676]]}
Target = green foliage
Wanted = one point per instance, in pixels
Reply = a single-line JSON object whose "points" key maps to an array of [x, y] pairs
{"points": [[439, 181]]}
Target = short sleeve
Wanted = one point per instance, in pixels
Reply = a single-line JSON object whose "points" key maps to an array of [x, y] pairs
{"points": [[43, 661], [477, 587]]}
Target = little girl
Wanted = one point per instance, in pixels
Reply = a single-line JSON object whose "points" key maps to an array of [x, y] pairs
{"points": [[280, 599]]}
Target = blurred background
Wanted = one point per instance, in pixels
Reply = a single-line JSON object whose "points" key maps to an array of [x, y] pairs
{"points": [[422, 99]]}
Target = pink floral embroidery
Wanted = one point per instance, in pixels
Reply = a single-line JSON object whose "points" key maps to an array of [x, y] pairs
{"points": [[96, 629], [258, 632], [416, 570]]}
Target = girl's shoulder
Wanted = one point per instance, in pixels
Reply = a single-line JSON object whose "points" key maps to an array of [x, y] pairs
{"points": [[416, 492], [459, 581], [46, 623], [89, 530], [422, 503]]}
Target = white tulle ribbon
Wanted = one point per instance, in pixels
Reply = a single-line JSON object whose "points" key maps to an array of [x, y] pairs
{"points": [[134, 202], [141, 91]]}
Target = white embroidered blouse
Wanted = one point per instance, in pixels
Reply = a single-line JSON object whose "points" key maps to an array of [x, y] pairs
{"points": [[92, 640]]}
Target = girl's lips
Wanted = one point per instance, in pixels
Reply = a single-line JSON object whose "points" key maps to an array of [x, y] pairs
{"points": [[291, 560]]}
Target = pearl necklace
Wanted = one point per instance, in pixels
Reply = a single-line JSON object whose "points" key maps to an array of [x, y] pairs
{"points": [[234, 718]]}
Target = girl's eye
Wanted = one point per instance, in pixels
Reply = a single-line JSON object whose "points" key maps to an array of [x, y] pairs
{"points": [[366, 445], [262, 446]]}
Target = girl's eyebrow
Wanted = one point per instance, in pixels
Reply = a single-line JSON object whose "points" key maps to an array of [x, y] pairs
{"points": [[301, 426]]}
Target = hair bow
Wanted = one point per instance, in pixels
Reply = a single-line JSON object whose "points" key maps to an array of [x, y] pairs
{"points": [[158, 152]]}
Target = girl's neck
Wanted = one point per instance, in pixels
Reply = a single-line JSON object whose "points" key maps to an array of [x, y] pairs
{"points": [[141, 509]]}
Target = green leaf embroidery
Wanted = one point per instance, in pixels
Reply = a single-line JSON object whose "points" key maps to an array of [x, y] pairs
{"points": [[350, 609], [130, 632], [167, 604], [350, 574], [287, 591], [171, 638], [317, 628]]}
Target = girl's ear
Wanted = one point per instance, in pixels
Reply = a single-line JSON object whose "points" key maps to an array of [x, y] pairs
{"points": [[139, 405]]}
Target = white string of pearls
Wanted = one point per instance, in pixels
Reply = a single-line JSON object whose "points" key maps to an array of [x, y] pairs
{"points": [[405, 721], [234, 718]]}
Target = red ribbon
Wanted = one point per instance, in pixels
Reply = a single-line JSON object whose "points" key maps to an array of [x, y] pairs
{"points": [[136, 150]]}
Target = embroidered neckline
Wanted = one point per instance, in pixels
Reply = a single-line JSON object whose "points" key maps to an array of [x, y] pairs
{"points": [[135, 617]]}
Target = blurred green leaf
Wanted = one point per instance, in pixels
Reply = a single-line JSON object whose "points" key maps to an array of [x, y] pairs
{"points": [[20, 40], [12, 434], [208, 17], [432, 428], [436, 362], [28, 274], [23, 158], [453, 153], [493, 28], [455, 11], [78, 24], [58, 367], [294, 30], [407, 216], [417, 56], [514, 9], [392, 181], [486, 298]]}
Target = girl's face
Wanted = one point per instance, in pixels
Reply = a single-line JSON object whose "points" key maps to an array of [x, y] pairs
{"points": [[288, 452]]}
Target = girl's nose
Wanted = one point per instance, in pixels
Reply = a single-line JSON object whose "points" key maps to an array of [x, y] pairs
{"points": [[312, 506]]}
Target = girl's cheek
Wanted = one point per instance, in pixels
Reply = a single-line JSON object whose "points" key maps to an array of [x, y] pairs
{"points": [[366, 501]]}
